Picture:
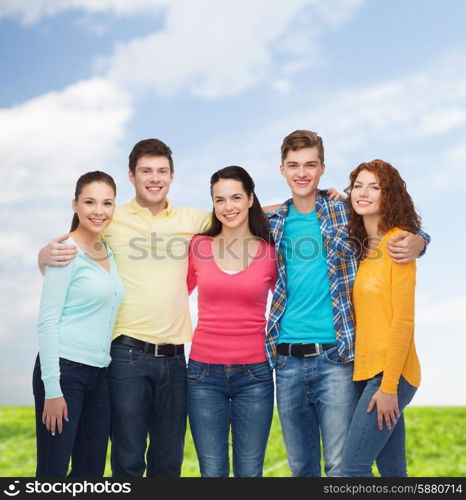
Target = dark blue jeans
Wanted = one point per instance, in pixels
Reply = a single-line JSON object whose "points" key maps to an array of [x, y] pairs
{"points": [[221, 397], [148, 399], [366, 443], [85, 436]]}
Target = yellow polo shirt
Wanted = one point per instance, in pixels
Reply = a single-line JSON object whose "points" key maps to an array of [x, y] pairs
{"points": [[151, 253]]}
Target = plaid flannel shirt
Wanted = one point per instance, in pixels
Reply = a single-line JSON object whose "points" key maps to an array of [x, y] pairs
{"points": [[342, 265]]}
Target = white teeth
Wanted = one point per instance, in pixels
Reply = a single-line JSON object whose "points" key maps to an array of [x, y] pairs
{"points": [[154, 189]]}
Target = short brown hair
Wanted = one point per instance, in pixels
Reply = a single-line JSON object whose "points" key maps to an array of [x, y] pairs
{"points": [[149, 147], [300, 139]]}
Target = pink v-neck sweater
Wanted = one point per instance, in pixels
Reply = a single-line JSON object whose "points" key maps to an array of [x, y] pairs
{"points": [[231, 319]]}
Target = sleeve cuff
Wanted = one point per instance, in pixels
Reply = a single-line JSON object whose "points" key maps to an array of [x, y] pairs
{"points": [[389, 387], [52, 388]]}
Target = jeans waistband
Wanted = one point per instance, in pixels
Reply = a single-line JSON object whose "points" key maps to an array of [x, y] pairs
{"points": [[155, 349], [303, 349]]}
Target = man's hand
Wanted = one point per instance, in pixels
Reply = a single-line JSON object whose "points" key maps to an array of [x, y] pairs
{"points": [[334, 195], [387, 408], [270, 208], [55, 410], [56, 254], [404, 247]]}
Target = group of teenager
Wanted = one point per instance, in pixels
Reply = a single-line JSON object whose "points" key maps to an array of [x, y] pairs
{"points": [[114, 320]]}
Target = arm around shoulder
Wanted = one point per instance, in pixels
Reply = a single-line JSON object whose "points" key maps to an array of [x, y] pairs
{"points": [[404, 246], [56, 254]]}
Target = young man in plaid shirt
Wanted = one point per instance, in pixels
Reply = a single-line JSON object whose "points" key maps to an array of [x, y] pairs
{"points": [[310, 332]]}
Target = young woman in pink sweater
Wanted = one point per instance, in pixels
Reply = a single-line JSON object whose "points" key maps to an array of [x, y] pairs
{"points": [[230, 383]]}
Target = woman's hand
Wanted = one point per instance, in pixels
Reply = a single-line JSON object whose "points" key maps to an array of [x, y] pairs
{"points": [[55, 410], [387, 408]]}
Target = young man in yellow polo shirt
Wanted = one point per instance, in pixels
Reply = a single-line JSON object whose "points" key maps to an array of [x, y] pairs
{"points": [[149, 238]]}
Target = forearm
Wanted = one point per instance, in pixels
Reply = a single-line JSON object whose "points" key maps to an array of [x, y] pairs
{"points": [[40, 261], [426, 240]]}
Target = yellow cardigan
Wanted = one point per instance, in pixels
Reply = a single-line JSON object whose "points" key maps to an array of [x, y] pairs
{"points": [[383, 299]]}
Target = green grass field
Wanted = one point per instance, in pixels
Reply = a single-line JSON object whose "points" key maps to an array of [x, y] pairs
{"points": [[436, 444]]}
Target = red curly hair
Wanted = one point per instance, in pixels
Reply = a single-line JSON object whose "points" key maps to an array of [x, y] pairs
{"points": [[396, 204]]}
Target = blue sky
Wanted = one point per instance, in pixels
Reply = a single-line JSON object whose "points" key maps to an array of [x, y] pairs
{"points": [[222, 83]]}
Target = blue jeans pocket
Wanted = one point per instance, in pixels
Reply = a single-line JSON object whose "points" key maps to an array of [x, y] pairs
{"points": [[125, 355], [332, 356], [281, 361], [260, 372], [196, 371]]}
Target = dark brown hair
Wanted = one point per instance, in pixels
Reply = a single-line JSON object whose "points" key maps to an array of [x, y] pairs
{"points": [[149, 147], [257, 223], [396, 204], [86, 179], [300, 139]]}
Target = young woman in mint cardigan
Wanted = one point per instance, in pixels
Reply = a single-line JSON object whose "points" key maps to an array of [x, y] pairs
{"points": [[78, 307]]}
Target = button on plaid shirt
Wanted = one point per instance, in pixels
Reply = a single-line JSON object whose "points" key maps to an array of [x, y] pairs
{"points": [[342, 265]]}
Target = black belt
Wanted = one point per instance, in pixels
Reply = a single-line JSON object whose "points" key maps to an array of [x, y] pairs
{"points": [[303, 349], [155, 349]]}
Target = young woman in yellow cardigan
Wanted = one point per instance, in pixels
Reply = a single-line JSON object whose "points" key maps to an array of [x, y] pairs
{"points": [[386, 362]]}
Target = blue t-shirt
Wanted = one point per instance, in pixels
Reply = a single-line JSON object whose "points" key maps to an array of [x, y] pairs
{"points": [[308, 316]]}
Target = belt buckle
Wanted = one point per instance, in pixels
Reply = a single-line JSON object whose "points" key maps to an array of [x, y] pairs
{"points": [[156, 352], [319, 350]]}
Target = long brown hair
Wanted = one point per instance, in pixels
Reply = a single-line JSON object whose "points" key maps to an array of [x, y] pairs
{"points": [[86, 179], [396, 204], [257, 223]]}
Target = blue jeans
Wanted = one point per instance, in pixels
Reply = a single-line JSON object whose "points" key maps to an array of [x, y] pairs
{"points": [[236, 396], [84, 438], [315, 397], [148, 398], [366, 443]]}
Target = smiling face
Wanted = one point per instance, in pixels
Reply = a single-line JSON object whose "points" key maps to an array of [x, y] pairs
{"points": [[152, 179], [231, 203], [95, 206], [302, 170], [366, 194]]}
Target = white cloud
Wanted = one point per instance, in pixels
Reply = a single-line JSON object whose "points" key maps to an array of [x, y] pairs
{"points": [[88, 24], [32, 11], [214, 49], [422, 115], [454, 174], [47, 142], [442, 120], [450, 312], [209, 48], [283, 86], [221, 53], [16, 248], [336, 12]]}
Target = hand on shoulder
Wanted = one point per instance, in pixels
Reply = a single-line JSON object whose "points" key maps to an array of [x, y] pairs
{"points": [[56, 253]]}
